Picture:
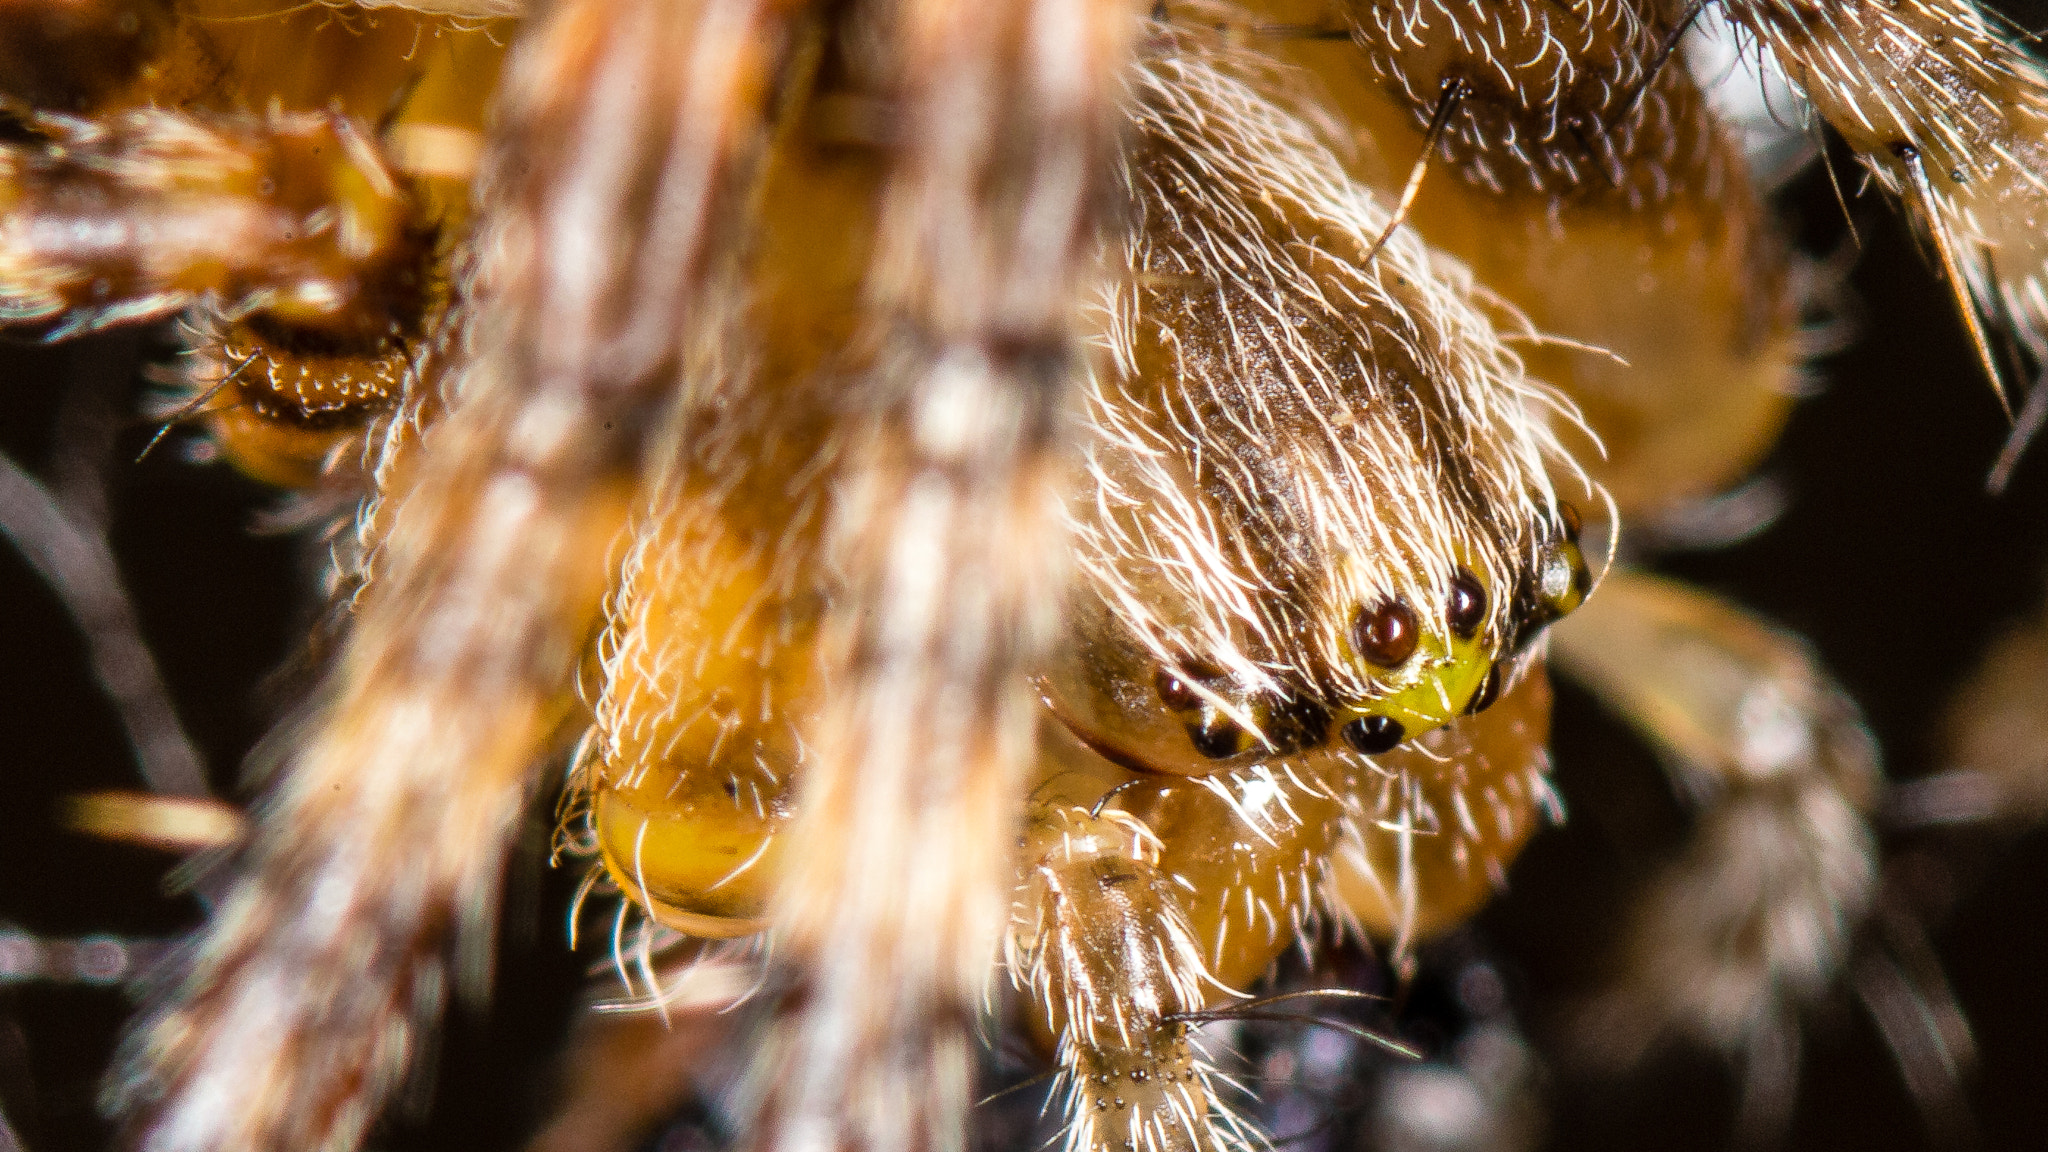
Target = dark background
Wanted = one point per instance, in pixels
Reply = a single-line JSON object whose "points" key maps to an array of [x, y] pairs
{"points": [[1890, 558]]}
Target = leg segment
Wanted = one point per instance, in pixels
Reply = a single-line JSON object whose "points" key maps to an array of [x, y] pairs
{"points": [[1755, 918], [711, 679], [376, 868], [1100, 940], [948, 531], [140, 216], [1950, 112]]}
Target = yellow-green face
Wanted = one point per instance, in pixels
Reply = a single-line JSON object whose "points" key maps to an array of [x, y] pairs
{"points": [[1436, 668], [1445, 663]]}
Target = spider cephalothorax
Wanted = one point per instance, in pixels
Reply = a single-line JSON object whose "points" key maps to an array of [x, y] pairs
{"points": [[1318, 494]]}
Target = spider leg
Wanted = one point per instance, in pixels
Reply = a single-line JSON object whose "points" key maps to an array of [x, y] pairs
{"points": [[1994, 740], [1100, 939], [303, 246], [380, 856], [947, 529], [141, 215], [1756, 918], [1946, 106], [709, 666], [136, 193]]}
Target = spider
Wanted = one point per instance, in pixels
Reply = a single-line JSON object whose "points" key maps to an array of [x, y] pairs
{"points": [[1029, 481]]}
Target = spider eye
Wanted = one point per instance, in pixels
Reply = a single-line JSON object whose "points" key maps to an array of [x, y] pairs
{"points": [[1210, 729], [1557, 584], [1465, 608], [1374, 734], [1386, 634], [1487, 693], [1177, 694], [1218, 737]]}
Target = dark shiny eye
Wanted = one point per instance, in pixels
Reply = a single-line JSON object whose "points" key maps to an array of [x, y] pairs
{"points": [[1293, 724], [1374, 734], [1546, 593], [1175, 692], [1218, 737], [1465, 609], [1487, 693], [1386, 634]]}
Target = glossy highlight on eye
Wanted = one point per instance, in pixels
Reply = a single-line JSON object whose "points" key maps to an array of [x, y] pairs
{"points": [[1386, 634]]}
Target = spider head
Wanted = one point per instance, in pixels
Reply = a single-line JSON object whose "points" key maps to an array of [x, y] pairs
{"points": [[1321, 491], [1173, 692]]}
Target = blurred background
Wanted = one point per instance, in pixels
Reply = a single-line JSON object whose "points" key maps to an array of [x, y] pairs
{"points": [[1889, 557]]}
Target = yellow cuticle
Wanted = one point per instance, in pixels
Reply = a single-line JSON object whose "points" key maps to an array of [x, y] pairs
{"points": [[1573, 596], [706, 869], [1436, 685]]}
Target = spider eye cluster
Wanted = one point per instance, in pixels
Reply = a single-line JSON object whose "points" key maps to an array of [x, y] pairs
{"points": [[1408, 672], [1286, 722], [1428, 667], [1435, 662]]}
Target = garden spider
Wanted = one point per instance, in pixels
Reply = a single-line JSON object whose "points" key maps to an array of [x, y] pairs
{"points": [[913, 201]]}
